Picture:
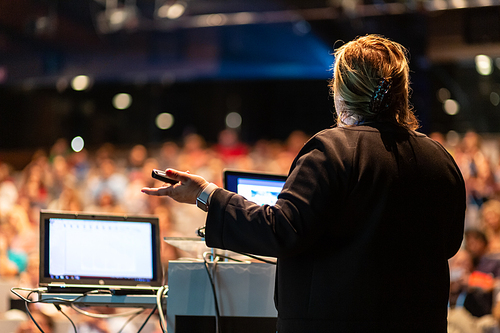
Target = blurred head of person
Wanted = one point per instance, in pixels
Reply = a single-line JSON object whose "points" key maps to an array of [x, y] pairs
{"points": [[137, 156], [476, 244], [490, 216]]}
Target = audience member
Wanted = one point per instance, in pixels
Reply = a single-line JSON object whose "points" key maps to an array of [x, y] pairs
{"points": [[490, 222], [467, 154], [24, 237], [36, 182], [461, 266], [61, 177], [8, 265], [135, 203], [80, 166], [476, 244], [229, 148], [59, 148], [17, 240], [8, 190], [194, 154], [69, 199], [168, 155], [107, 188], [150, 164], [29, 277], [168, 252], [106, 203], [136, 158]]}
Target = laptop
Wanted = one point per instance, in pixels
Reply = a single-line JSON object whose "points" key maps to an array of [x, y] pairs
{"points": [[80, 252], [258, 187]]}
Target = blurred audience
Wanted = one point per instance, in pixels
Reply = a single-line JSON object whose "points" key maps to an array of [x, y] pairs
{"points": [[460, 318], [109, 180]]}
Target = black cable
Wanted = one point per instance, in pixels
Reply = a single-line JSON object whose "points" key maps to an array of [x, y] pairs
{"points": [[58, 307], [58, 299], [129, 320], [28, 301], [216, 303], [229, 258], [149, 316], [31, 316], [66, 302]]}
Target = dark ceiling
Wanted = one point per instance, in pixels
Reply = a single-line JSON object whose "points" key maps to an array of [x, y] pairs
{"points": [[43, 40], [259, 52], [75, 24]]}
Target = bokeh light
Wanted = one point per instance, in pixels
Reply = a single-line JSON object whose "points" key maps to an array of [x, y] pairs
{"points": [[233, 120], [80, 82], [164, 121], [122, 101], [171, 12], [494, 98], [77, 144], [443, 94], [451, 107], [484, 64]]}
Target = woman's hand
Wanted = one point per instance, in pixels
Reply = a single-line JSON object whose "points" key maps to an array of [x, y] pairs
{"points": [[186, 190]]}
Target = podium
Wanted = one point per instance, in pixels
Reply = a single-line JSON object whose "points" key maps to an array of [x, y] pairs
{"points": [[245, 295]]}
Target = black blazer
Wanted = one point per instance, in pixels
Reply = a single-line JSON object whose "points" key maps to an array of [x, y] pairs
{"points": [[363, 231]]}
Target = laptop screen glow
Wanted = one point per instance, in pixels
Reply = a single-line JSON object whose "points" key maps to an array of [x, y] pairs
{"points": [[261, 188], [260, 191], [100, 249]]}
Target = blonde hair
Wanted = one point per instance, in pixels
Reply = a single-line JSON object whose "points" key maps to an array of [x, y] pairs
{"points": [[360, 67]]}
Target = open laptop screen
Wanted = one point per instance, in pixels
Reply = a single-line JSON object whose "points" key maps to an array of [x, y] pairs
{"points": [[91, 249], [261, 188]]}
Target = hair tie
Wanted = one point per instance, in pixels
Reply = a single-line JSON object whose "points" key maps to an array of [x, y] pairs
{"points": [[379, 101]]}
